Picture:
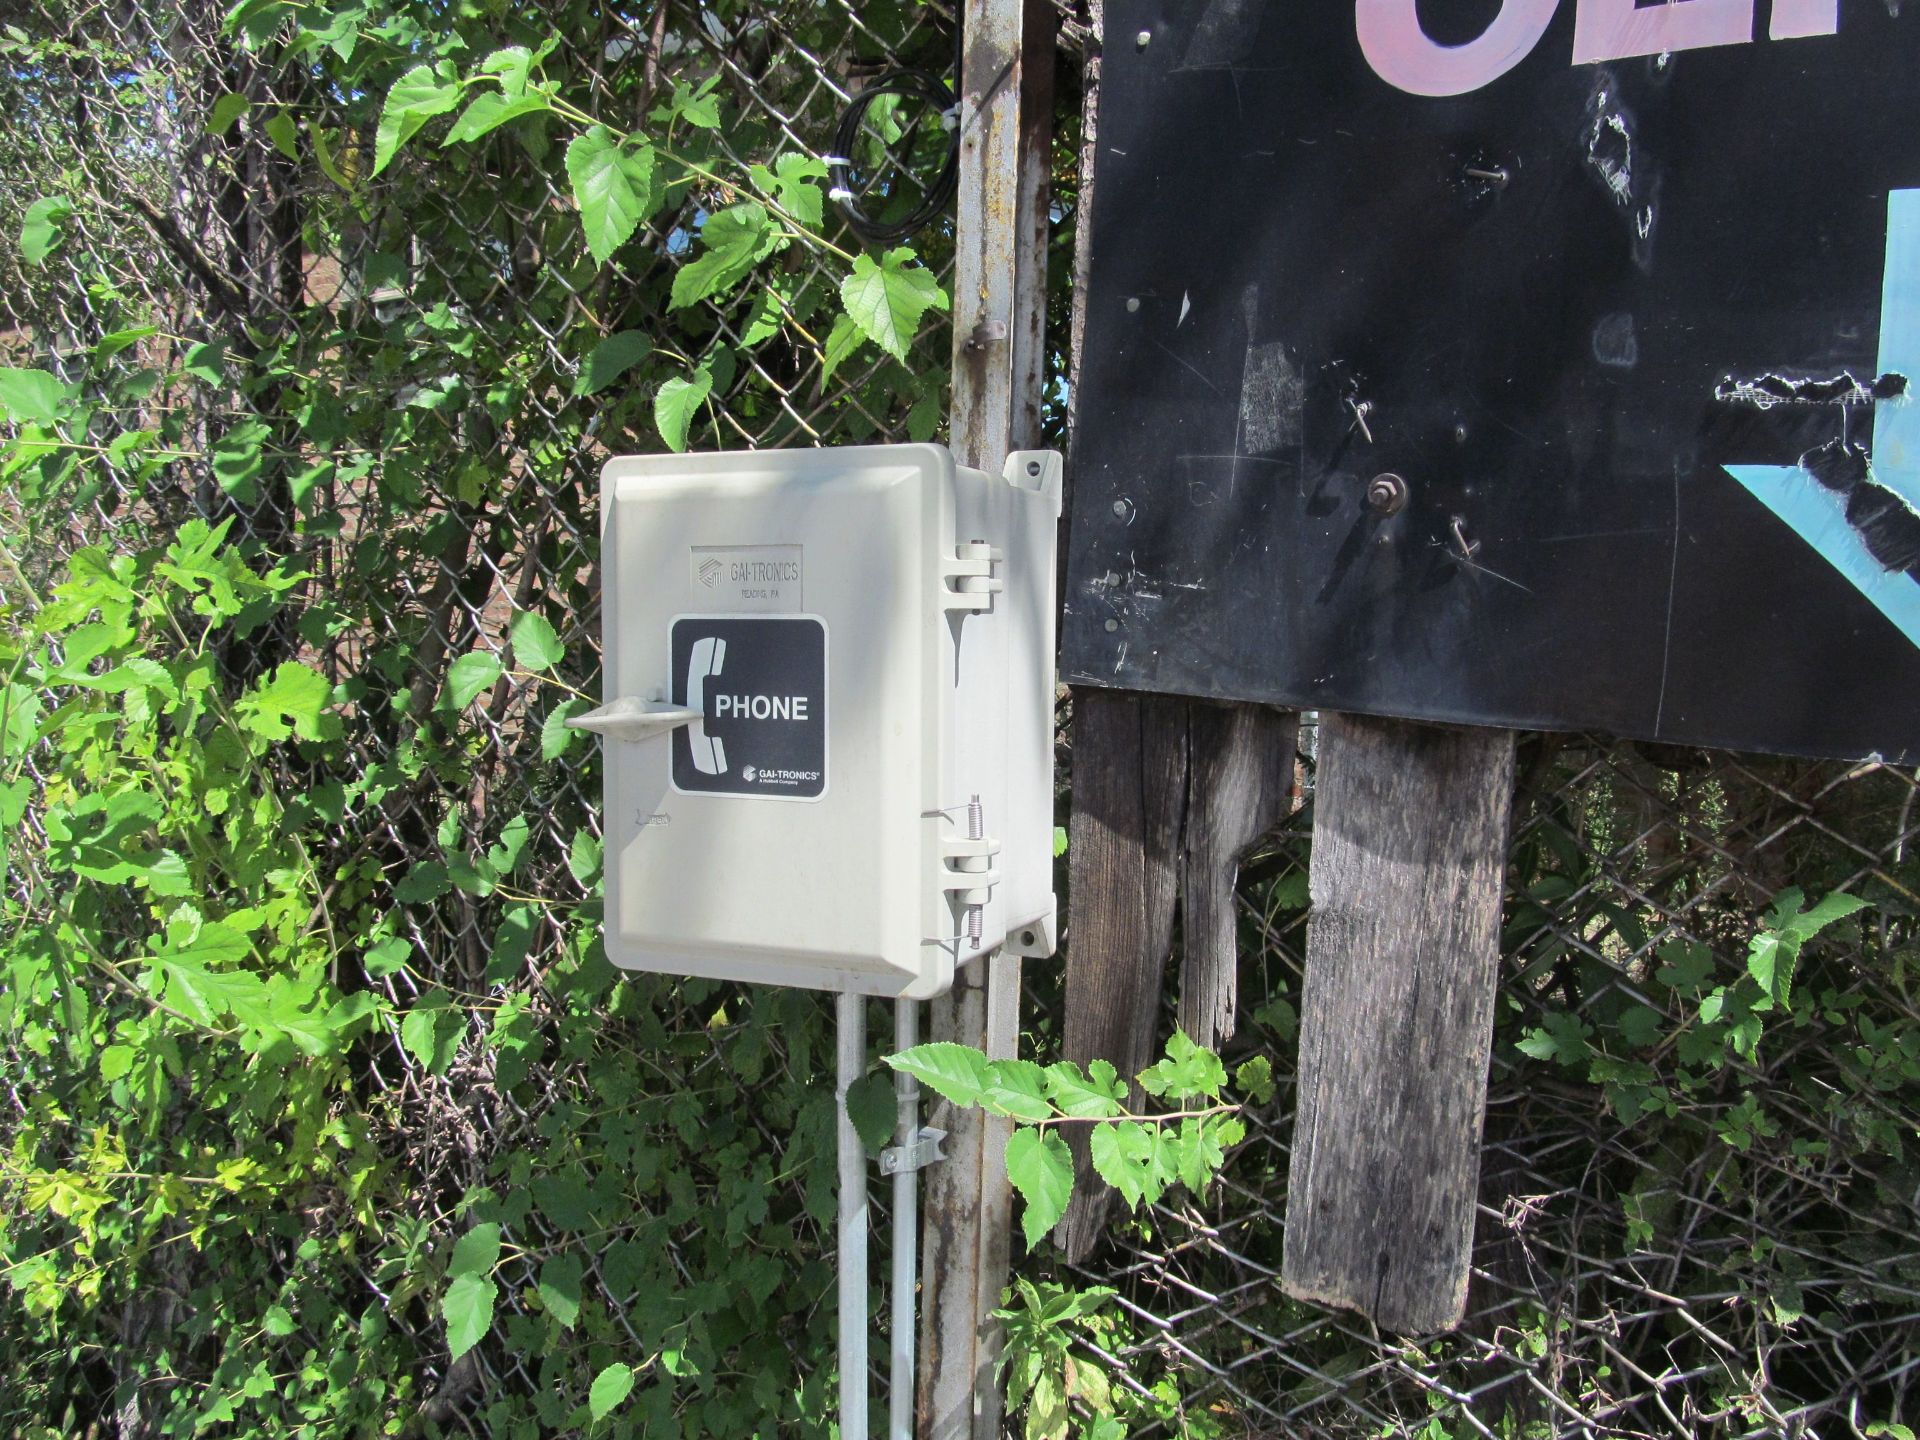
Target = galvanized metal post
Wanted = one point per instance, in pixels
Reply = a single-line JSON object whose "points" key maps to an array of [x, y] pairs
{"points": [[999, 317]]}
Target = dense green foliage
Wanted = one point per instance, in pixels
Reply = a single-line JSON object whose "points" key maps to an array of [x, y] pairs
{"points": [[326, 1113]]}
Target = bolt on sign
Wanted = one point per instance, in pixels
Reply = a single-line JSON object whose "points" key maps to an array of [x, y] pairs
{"points": [[1543, 364]]}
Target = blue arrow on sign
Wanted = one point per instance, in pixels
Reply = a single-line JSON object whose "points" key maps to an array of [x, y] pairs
{"points": [[1817, 513]]}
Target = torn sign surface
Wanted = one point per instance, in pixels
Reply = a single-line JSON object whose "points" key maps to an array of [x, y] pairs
{"points": [[1617, 336]]}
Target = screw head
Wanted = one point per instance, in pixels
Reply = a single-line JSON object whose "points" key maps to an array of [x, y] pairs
{"points": [[1143, 39], [1112, 625], [1133, 304], [1387, 493]]}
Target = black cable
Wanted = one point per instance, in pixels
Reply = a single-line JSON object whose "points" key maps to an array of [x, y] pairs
{"points": [[849, 186]]}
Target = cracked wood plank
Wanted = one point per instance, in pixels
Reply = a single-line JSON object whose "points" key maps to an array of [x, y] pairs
{"points": [[1239, 786]]}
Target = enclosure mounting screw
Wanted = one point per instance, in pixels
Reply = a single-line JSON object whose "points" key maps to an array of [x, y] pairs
{"points": [[1143, 39], [1387, 493]]}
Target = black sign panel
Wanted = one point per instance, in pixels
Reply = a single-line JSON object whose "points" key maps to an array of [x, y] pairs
{"points": [[761, 683], [1538, 364]]}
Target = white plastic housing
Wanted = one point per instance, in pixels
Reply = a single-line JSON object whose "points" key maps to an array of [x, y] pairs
{"points": [[743, 859]]}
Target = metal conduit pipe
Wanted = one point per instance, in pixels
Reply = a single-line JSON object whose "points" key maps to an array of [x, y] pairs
{"points": [[852, 1034], [906, 1228]]}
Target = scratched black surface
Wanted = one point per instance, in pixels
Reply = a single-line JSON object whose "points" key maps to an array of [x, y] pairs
{"points": [[1254, 174]]}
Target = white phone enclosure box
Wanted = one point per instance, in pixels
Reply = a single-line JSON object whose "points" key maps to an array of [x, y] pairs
{"points": [[829, 682]]}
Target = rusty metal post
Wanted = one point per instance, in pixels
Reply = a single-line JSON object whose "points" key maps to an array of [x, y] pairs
{"points": [[999, 320]]}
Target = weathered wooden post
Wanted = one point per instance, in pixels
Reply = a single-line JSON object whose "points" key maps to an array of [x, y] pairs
{"points": [[999, 314], [1396, 1022]]}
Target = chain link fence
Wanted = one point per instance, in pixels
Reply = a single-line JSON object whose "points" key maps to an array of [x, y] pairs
{"points": [[1700, 1212], [385, 379], [1679, 1234]]}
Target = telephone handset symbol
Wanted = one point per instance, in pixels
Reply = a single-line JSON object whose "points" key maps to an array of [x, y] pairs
{"points": [[709, 654]]}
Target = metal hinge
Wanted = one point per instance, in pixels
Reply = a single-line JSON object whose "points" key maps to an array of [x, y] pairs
{"points": [[924, 1151]]}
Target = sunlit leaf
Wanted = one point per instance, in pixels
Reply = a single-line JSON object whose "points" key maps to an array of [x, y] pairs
{"points": [[885, 298]]}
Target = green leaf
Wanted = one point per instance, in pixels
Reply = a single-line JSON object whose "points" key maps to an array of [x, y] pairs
{"points": [[560, 1288], [513, 65], [791, 183], [1059, 841], [1040, 1167], [477, 1251], [565, 1199], [1770, 960], [1686, 965], [556, 736], [487, 113], [611, 359], [30, 396], [226, 110], [1836, 906], [239, 456], [505, 855], [535, 645], [610, 202], [302, 483], [40, 228], [277, 1322], [1073, 1093], [281, 131], [764, 320], [676, 404], [887, 297], [584, 858], [387, 958], [323, 143], [734, 240], [1120, 1153], [870, 1105], [610, 1388], [432, 1031], [511, 942], [842, 341], [1775, 951], [416, 97], [1188, 1071], [291, 702], [1017, 1088], [469, 675], [959, 1073], [207, 362], [1561, 1038], [112, 344], [467, 1307], [699, 107], [1640, 1026], [424, 883], [1254, 1079]]}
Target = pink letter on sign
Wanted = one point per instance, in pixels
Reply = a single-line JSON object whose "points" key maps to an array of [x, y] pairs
{"points": [[1402, 55], [1618, 29]]}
